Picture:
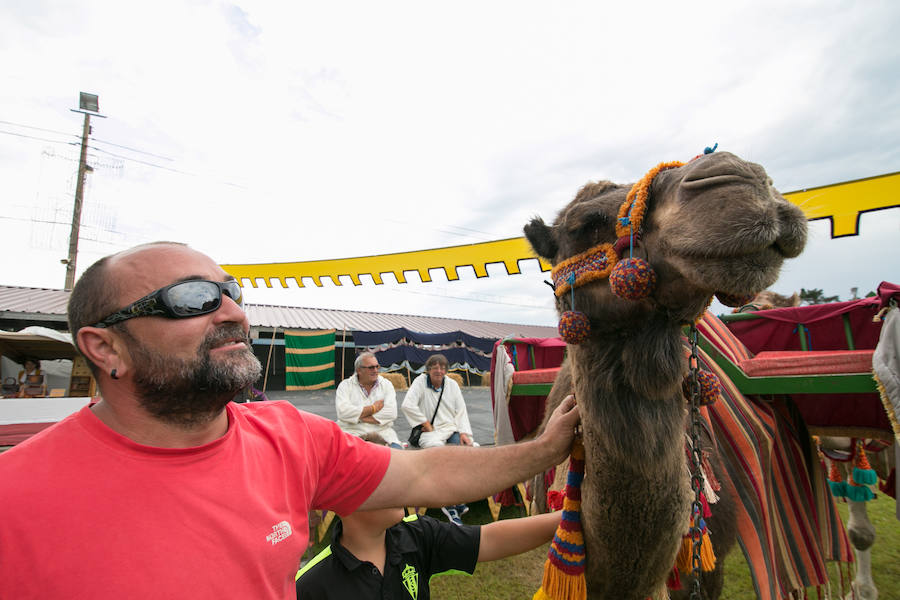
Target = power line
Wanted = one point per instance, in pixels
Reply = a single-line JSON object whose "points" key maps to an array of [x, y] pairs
{"points": [[29, 220], [164, 168], [76, 137], [98, 229], [487, 237], [133, 149], [143, 162], [66, 133], [31, 137]]}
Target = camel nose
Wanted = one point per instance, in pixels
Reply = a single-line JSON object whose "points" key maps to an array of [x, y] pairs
{"points": [[722, 164], [792, 235]]}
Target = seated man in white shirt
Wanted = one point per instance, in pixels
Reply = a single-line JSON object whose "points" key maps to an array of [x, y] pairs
{"points": [[367, 403], [451, 421]]}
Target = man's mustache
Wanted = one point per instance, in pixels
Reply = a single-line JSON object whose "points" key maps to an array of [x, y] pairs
{"points": [[227, 332]]}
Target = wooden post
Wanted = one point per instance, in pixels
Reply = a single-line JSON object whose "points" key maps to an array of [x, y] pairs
{"points": [[269, 360], [343, 349], [76, 211]]}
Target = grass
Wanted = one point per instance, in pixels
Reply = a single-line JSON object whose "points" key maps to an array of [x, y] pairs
{"points": [[518, 577]]}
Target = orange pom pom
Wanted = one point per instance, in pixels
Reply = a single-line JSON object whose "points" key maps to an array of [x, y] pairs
{"points": [[574, 327]]}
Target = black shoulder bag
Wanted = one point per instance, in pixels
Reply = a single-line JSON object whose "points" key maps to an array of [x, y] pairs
{"points": [[416, 432]]}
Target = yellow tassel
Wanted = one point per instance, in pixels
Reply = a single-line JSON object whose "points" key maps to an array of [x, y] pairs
{"points": [[557, 585], [707, 556], [683, 558]]}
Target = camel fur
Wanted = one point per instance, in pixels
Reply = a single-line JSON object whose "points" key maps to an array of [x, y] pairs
{"points": [[714, 225]]}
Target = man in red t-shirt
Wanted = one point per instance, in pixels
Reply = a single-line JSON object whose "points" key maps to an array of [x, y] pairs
{"points": [[164, 488]]}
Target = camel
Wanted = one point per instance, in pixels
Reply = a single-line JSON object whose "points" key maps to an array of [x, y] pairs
{"points": [[768, 299], [714, 226], [860, 529]]}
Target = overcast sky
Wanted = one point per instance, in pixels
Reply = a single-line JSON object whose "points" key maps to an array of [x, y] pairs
{"points": [[273, 131]]}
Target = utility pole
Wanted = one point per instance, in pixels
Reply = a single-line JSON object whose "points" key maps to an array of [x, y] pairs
{"points": [[89, 105]]}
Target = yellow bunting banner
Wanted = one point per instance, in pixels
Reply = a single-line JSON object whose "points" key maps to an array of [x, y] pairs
{"points": [[478, 256], [844, 202], [841, 202]]}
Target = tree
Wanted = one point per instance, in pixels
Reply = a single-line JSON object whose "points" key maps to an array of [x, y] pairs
{"points": [[816, 296]]}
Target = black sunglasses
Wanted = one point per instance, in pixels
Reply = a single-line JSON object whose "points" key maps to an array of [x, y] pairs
{"points": [[180, 300]]}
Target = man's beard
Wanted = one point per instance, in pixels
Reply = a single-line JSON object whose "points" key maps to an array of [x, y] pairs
{"points": [[193, 391]]}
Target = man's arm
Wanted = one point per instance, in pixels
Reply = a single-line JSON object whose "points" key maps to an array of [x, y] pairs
{"points": [[453, 474], [368, 412], [514, 536], [389, 412], [346, 407]]}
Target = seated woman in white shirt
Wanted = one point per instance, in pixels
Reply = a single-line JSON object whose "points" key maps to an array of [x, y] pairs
{"points": [[436, 402]]}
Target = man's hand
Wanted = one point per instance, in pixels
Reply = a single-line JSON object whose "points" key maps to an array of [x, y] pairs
{"points": [[366, 416], [465, 439], [427, 426], [560, 430]]}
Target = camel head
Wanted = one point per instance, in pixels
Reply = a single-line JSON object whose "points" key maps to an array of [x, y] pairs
{"points": [[713, 226]]}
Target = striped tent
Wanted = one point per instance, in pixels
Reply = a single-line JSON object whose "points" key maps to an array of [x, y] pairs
{"points": [[309, 359]]}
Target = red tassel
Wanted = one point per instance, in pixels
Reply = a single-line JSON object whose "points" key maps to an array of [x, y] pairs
{"points": [[555, 499], [706, 512], [834, 474], [862, 461], [674, 580]]}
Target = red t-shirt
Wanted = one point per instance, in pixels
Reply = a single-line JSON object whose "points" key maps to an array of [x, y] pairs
{"points": [[88, 513]]}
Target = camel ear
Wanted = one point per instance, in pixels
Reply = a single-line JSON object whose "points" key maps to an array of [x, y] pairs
{"points": [[540, 236]]}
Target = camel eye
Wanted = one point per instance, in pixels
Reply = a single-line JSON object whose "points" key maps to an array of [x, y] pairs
{"points": [[593, 224]]}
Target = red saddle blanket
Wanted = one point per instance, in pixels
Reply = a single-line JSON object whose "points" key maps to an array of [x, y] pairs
{"points": [[824, 362]]}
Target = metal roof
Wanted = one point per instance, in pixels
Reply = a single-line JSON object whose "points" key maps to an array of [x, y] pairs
{"points": [[22, 302], [265, 315], [26, 300]]}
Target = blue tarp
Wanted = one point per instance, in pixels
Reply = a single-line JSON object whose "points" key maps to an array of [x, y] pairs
{"points": [[418, 356], [391, 336]]}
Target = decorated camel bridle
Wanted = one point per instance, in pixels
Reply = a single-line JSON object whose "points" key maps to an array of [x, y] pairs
{"points": [[630, 277]]}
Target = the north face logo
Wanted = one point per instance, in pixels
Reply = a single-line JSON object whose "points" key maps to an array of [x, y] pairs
{"points": [[280, 531]]}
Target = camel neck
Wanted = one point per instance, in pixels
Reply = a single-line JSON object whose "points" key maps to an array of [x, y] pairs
{"points": [[647, 362]]}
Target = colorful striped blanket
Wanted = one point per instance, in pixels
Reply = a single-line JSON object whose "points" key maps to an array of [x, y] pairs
{"points": [[788, 525]]}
